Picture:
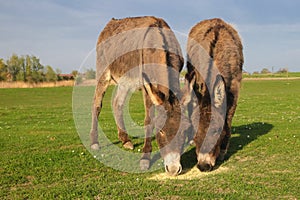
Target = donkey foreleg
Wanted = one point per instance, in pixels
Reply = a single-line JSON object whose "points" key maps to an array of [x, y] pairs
{"points": [[149, 126]]}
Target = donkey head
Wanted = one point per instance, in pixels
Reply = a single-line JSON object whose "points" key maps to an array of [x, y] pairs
{"points": [[171, 126], [206, 102]]}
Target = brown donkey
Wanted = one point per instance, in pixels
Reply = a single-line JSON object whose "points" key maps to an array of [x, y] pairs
{"points": [[215, 61], [143, 52]]}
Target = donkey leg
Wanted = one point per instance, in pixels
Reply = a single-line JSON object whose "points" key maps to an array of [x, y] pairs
{"points": [[149, 125], [96, 108], [118, 105], [193, 113], [227, 127]]}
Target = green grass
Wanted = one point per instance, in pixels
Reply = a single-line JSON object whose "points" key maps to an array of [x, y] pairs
{"points": [[42, 156], [274, 75]]}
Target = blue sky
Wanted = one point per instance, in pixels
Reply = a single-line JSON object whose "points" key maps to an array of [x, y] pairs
{"points": [[62, 33]]}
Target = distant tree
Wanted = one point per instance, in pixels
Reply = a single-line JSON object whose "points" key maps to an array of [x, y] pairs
{"points": [[28, 66], [256, 72], [78, 80], [58, 72], [265, 71], [74, 73], [37, 70], [13, 66], [50, 74], [22, 73], [20, 76], [283, 71], [3, 70], [90, 74]]}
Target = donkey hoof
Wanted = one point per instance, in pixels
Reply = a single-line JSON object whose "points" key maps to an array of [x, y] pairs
{"points": [[144, 164], [95, 146], [128, 145]]}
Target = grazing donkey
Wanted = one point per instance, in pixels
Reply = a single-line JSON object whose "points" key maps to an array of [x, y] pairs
{"points": [[143, 52], [215, 61]]}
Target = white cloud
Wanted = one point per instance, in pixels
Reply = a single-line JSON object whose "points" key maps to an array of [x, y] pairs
{"points": [[62, 33]]}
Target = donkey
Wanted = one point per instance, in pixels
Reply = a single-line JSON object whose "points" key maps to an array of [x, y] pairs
{"points": [[215, 61], [143, 52]]}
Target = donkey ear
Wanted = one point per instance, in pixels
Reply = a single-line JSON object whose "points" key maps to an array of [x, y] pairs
{"points": [[219, 92], [190, 79], [154, 94], [188, 88]]}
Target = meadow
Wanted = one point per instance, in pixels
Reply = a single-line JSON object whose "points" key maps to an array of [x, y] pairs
{"points": [[42, 155], [295, 75]]}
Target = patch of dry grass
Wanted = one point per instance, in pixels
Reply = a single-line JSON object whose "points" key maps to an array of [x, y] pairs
{"points": [[194, 173]]}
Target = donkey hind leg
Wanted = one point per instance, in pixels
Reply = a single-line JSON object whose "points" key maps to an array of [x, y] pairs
{"points": [[118, 105], [149, 126], [96, 109]]}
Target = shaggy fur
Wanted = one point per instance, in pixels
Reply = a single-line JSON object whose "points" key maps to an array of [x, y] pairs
{"points": [[220, 53], [137, 52]]}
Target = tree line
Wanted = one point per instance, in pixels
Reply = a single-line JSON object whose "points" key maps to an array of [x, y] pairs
{"points": [[28, 68], [267, 71]]}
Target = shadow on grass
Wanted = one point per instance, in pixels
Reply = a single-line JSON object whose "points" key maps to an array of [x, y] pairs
{"points": [[241, 136]]}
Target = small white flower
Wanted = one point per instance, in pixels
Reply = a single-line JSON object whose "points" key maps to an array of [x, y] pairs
{"points": [[95, 156], [240, 146], [73, 151], [248, 136], [139, 150], [102, 155]]}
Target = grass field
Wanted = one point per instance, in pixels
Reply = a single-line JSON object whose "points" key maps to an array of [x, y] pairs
{"points": [[42, 156], [274, 75]]}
